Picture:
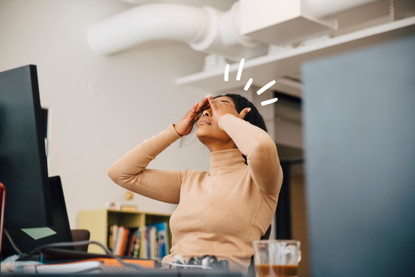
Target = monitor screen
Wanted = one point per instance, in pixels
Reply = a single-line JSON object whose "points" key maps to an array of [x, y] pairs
{"points": [[23, 166]]}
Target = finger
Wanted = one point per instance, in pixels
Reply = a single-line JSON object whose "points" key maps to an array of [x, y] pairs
{"points": [[244, 112], [201, 108], [191, 113], [205, 99], [203, 104], [211, 101], [192, 110], [205, 107]]}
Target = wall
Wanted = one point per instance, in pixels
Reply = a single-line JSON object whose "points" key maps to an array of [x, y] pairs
{"points": [[100, 106]]}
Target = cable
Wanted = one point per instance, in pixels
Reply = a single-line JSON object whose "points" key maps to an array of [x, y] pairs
{"points": [[63, 244], [13, 244]]}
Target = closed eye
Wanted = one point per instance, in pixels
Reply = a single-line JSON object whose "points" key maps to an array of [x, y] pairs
{"points": [[225, 101]]}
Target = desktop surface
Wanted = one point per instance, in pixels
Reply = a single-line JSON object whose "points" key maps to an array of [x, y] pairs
{"points": [[105, 267], [162, 272]]}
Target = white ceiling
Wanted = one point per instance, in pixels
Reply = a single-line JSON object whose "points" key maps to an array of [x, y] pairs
{"points": [[223, 5]]}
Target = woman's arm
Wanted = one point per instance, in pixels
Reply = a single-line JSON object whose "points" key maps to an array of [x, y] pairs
{"points": [[254, 143], [260, 150], [130, 170]]}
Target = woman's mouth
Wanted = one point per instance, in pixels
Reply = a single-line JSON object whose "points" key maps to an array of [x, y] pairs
{"points": [[204, 122]]}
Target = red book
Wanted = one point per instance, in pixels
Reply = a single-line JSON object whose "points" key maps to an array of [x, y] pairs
{"points": [[133, 236], [123, 242]]}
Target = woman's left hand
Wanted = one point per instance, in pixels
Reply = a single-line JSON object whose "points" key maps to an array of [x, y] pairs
{"points": [[220, 108]]}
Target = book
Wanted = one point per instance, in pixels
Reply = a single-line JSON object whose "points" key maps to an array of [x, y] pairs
{"points": [[144, 253], [75, 267], [120, 234], [159, 240], [123, 241], [131, 242], [130, 236], [62, 268], [137, 244], [110, 236], [114, 238], [153, 242]]}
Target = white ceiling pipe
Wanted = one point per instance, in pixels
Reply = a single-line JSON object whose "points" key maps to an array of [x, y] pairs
{"points": [[145, 23], [323, 8], [230, 26], [205, 29], [223, 36]]}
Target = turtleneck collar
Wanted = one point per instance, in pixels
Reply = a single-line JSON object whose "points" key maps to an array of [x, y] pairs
{"points": [[225, 158]]}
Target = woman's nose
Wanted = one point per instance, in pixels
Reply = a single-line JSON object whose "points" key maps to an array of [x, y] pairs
{"points": [[206, 113]]}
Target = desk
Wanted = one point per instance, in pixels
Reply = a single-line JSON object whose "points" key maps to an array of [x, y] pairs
{"points": [[173, 273]]}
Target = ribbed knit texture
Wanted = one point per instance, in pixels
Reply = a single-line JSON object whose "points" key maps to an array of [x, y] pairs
{"points": [[220, 212]]}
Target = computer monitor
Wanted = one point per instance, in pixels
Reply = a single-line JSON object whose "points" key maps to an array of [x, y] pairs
{"points": [[23, 166], [32, 238]]}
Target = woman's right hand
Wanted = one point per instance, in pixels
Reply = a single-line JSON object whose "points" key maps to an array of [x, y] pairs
{"points": [[185, 125]]}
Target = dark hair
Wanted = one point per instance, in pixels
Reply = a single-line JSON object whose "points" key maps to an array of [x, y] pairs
{"points": [[253, 117]]}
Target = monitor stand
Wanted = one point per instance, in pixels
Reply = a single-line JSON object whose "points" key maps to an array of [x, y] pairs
{"points": [[28, 239]]}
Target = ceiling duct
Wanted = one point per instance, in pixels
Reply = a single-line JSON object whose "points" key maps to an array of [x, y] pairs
{"points": [[244, 31], [204, 28]]}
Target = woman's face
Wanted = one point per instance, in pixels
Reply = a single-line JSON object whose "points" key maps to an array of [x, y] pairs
{"points": [[208, 130]]}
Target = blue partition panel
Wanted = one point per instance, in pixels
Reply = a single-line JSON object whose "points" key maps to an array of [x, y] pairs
{"points": [[359, 118]]}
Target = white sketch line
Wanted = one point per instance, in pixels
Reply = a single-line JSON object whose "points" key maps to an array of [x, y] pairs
{"points": [[226, 77], [264, 88], [248, 84], [269, 101], [241, 66]]}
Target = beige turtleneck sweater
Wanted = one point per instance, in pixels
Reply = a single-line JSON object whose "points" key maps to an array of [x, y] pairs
{"points": [[220, 212]]}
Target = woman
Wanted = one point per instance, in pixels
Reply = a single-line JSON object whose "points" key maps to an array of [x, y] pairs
{"points": [[220, 212]]}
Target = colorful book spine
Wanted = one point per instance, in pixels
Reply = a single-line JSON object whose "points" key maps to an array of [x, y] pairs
{"points": [[130, 243], [147, 242], [120, 235], [114, 238], [159, 240], [144, 252], [123, 242], [137, 244], [109, 236]]}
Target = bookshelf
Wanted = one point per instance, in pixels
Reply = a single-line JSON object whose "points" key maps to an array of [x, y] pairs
{"points": [[97, 222]]}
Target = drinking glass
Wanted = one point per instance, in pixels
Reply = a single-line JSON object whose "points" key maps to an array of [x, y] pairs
{"points": [[274, 258]]}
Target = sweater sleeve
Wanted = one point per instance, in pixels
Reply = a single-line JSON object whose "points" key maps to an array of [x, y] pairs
{"points": [[130, 170], [260, 150]]}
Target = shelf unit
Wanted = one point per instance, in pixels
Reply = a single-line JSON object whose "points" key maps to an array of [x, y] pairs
{"points": [[267, 68], [97, 222]]}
